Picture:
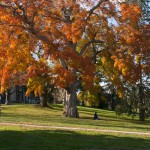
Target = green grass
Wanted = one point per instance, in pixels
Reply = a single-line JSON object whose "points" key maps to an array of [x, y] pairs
{"points": [[34, 114], [18, 138], [29, 138]]}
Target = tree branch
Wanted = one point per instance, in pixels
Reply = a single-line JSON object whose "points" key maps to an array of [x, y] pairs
{"points": [[87, 44], [5, 6], [93, 8], [63, 64]]}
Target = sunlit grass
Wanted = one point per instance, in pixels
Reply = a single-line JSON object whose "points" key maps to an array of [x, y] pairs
{"points": [[30, 138], [34, 114]]}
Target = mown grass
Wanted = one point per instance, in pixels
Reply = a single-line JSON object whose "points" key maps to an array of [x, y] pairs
{"points": [[34, 114], [29, 138], [17, 138]]}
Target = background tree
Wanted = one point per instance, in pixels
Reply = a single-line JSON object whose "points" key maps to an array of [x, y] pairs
{"points": [[142, 57], [131, 102], [38, 79], [91, 97]]}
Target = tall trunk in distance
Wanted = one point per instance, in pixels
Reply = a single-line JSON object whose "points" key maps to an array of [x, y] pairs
{"points": [[7, 102], [141, 108], [46, 97], [43, 100], [141, 94]]}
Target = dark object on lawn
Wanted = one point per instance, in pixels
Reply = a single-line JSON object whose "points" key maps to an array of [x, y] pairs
{"points": [[96, 116]]}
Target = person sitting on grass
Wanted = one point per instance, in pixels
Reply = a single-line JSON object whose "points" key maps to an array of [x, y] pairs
{"points": [[96, 116]]}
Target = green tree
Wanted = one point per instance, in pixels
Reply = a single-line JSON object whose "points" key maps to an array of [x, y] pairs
{"points": [[91, 97]]}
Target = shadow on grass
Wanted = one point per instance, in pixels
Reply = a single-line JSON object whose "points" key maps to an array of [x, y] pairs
{"points": [[67, 140]]}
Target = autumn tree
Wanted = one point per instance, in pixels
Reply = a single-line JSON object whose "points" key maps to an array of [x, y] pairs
{"points": [[75, 35], [14, 59], [38, 79], [133, 61], [142, 58]]}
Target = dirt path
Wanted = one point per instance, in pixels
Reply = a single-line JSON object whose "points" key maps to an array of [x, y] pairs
{"points": [[74, 129]]}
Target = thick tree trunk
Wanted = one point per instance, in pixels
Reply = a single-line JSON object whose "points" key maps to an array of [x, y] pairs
{"points": [[70, 105], [43, 101]]}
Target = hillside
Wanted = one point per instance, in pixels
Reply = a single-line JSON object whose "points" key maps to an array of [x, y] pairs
{"points": [[47, 125]]}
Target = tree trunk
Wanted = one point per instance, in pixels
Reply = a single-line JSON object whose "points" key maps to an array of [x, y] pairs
{"points": [[141, 108], [43, 101], [7, 97], [142, 114], [70, 106], [141, 94]]}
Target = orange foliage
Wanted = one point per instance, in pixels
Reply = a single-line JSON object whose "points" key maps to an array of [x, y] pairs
{"points": [[60, 41]]}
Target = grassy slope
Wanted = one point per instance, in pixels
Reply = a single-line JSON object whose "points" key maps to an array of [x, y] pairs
{"points": [[16, 138], [53, 116]]}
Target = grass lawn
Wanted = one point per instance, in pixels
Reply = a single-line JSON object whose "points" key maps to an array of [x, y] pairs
{"points": [[29, 138]]}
